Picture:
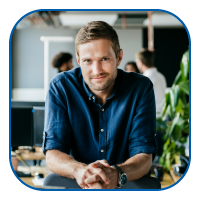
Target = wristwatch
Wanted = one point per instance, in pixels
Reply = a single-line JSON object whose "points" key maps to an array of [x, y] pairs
{"points": [[122, 177]]}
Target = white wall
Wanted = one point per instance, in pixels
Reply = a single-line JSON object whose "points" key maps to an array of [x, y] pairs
{"points": [[131, 42]]}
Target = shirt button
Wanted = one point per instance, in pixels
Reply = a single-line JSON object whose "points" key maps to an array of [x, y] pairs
{"points": [[93, 97], [155, 134], [102, 130], [102, 150], [89, 98], [102, 109]]}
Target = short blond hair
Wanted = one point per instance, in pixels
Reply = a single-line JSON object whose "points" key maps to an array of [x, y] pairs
{"points": [[147, 57], [96, 30]]}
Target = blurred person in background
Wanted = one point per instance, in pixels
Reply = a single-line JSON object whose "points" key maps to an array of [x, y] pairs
{"points": [[62, 61], [131, 67], [145, 64]]}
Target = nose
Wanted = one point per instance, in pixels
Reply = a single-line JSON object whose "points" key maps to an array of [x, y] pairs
{"points": [[97, 68]]}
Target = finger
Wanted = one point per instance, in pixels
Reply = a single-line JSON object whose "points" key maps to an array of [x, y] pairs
{"points": [[96, 185], [105, 163], [97, 165], [100, 164], [101, 173], [92, 179], [87, 174], [86, 187]]}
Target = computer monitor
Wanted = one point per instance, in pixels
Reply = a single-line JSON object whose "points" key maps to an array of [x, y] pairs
{"points": [[21, 127], [22, 123], [38, 125]]}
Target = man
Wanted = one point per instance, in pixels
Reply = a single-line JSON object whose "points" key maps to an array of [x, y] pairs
{"points": [[145, 63], [98, 116], [62, 61]]}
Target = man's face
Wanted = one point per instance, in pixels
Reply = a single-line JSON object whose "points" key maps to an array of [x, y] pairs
{"points": [[66, 66], [98, 63], [130, 68], [70, 64]]}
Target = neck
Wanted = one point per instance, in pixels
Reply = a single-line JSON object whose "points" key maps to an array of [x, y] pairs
{"points": [[145, 68], [102, 95]]}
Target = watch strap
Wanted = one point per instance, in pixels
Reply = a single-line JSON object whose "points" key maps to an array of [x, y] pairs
{"points": [[119, 170]]}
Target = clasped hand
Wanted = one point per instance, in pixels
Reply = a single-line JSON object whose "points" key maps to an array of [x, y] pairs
{"points": [[97, 175]]}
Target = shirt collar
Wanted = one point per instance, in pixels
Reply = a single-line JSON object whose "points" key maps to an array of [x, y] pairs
{"points": [[116, 85]]}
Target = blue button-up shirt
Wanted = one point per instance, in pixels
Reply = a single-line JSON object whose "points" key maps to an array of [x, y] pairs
{"points": [[117, 130]]}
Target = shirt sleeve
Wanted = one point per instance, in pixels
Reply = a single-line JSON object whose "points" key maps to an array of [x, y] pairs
{"points": [[143, 133], [57, 128]]}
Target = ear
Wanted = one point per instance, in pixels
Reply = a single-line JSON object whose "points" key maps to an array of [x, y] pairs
{"points": [[119, 57], [78, 59]]}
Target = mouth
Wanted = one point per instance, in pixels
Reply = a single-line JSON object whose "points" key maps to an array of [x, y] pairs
{"points": [[99, 78]]}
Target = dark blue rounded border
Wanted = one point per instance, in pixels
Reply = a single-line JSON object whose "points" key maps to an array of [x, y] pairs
{"points": [[40, 189]]}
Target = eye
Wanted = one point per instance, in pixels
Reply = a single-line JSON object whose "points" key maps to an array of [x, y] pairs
{"points": [[105, 59], [87, 61]]}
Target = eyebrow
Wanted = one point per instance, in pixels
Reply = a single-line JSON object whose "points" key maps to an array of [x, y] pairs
{"points": [[87, 58]]}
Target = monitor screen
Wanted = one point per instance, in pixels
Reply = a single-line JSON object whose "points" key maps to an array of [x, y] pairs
{"points": [[25, 124], [38, 124], [21, 127]]}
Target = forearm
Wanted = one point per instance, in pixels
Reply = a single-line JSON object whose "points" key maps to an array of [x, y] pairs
{"points": [[137, 166], [62, 163]]}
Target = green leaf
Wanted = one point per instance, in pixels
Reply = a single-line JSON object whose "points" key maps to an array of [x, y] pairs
{"points": [[181, 150], [168, 164], [186, 129], [185, 65], [180, 106], [186, 112], [161, 160], [166, 103], [172, 147], [164, 108], [176, 134], [178, 78], [169, 111], [172, 100], [168, 155], [184, 86], [176, 90], [183, 140], [174, 122]]}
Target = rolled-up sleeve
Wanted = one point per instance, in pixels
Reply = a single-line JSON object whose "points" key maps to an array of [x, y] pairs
{"points": [[57, 129], [143, 133]]}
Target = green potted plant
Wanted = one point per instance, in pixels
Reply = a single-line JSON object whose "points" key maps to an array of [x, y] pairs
{"points": [[175, 117]]}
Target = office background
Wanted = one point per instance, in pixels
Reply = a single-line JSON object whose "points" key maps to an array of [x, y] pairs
{"points": [[27, 71]]}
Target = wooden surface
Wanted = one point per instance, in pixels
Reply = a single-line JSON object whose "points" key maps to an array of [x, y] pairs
{"points": [[28, 181], [27, 155], [175, 178], [167, 181]]}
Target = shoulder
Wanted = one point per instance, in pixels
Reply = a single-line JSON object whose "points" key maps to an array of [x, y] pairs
{"points": [[161, 76], [67, 76], [134, 79], [134, 85]]}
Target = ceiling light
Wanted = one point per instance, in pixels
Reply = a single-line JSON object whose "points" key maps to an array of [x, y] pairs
{"points": [[83, 19]]}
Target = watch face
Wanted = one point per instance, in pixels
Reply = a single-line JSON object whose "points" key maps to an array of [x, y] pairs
{"points": [[123, 179]]}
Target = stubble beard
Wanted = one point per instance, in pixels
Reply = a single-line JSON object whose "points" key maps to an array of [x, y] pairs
{"points": [[102, 86]]}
